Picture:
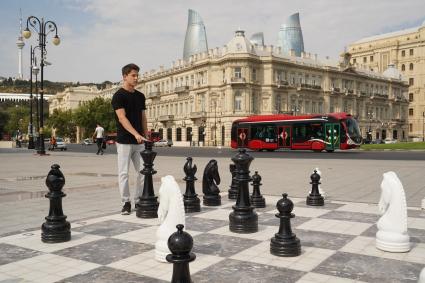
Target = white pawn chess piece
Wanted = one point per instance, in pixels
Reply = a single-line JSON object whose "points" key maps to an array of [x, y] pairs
{"points": [[321, 191], [423, 204], [170, 213], [392, 226], [422, 276]]}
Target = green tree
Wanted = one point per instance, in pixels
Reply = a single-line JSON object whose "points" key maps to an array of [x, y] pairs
{"points": [[98, 110], [18, 119], [63, 122]]}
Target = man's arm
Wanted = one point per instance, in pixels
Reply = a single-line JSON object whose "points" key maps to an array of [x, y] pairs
{"points": [[127, 125]]}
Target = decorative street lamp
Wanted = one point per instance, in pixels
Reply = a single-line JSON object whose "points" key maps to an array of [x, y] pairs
{"points": [[369, 132], [42, 28], [31, 129], [35, 71]]}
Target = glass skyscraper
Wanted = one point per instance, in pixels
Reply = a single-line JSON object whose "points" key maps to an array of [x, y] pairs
{"points": [[290, 35], [196, 36]]}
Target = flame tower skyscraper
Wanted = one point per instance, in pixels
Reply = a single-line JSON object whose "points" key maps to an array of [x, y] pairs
{"points": [[290, 35], [196, 36]]}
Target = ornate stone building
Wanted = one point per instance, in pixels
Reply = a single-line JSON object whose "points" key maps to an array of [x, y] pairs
{"points": [[406, 50], [196, 100]]}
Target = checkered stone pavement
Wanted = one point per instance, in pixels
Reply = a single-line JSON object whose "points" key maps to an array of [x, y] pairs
{"points": [[338, 245]]}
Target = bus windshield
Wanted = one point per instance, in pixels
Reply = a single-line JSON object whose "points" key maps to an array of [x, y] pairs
{"points": [[353, 129]]}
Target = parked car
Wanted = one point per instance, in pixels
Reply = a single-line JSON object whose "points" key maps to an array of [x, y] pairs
{"points": [[60, 144], [111, 141], [168, 143], [378, 141], [87, 142], [388, 140]]}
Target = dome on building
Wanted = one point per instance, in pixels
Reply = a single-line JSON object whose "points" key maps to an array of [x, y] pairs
{"points": [[239, 44], [392, 72]]}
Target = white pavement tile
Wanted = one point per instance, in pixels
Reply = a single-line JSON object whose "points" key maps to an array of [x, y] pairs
{"points": [[217, 214], [264, 233], [360, 207], [312, 277], [335, 226], [417, 223], [305, 211]]}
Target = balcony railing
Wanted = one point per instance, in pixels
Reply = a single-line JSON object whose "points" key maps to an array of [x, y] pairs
{"points": [[199, 114], [282, 83], [180, 89], [238, 80], [153, 94], [335, 89], [165, 118]]}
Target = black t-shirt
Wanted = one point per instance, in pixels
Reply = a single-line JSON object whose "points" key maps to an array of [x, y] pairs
{"points": [[133, 104]]}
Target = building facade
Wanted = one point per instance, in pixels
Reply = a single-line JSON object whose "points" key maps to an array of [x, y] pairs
{"points": [[196, 100], [406, 50]]}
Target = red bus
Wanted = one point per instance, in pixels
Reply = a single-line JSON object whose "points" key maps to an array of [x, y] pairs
{"points": [[309, 132]]}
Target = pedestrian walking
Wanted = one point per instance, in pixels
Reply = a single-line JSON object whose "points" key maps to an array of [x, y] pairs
{"points": [[99, 135]]}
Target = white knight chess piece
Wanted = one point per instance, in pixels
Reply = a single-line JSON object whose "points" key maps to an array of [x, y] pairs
{"points": [[170, 213], [422, 276], [392, 226]]}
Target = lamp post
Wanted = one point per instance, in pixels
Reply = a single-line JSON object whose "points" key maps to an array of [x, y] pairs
{"points": [[215, 123], [369, 133], [423, 126], [42, 28], [35, 71], [295, 109], [31, 129]]}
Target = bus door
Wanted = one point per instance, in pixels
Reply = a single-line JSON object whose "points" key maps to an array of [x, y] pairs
{"points": [[332, 136], [242, 137], [284, 136]]}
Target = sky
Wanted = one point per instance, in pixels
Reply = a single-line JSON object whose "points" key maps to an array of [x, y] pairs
{"points": [[98, 37]]}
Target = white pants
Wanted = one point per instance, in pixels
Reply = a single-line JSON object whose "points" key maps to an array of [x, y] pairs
{"points": [[125, 153]]}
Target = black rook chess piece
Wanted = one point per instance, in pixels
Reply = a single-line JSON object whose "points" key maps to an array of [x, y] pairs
{"points": [[210, 180], [190, 199], [315, 198], [180, 244], [147, 206], [56, 229], [243, 219], [257, 200], [285, 243], [233, 191]]}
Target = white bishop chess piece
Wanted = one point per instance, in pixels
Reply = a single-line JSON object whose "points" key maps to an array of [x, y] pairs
{"points": [[392, 226], [170, 213]]}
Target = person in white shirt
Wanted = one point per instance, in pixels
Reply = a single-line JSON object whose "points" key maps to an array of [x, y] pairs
{"points": [[98, 133]]}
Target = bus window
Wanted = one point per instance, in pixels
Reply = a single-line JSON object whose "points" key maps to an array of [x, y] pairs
{"points": [[266, 133], [300, 133], [317, 131]]}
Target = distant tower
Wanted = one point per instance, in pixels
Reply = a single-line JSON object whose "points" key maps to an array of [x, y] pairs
{"points": [[196, 37], [290, 35], [257, 39], [20, 43]]}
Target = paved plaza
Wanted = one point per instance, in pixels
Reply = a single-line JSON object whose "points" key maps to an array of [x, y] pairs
{"points": [[337, 240]]}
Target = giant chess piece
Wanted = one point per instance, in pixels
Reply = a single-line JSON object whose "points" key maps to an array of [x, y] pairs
{"points": [[210, 180], [257, 200], [392, 226], [233, 191], [56, 229], [285, 243], [147, 205], [422, 276], [315, 198], [191, 201], [180, 244], [243, 219], [321, 191], [170, 213]]}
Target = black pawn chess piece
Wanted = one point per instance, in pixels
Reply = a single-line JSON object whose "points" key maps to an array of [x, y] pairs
{"points": [[210, 180], [285, 243], [147, 206], [233, 191], [56, 229], [315, 198], [180, 244], [190, 199], [257, 200], [243, 219]]}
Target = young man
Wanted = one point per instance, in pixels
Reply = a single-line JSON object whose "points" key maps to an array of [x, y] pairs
{"points": [[129, 106], [98, 133]]}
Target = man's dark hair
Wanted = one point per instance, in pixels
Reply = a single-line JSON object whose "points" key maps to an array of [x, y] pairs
{"points": [[128, 68]]}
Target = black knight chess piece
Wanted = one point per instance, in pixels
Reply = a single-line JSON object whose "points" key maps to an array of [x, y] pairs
{"points": [[210, 180], [190, 199], [233, 191], [147, 206], [285, 243], [257, 200], [56, 229], [243, 219], [180, 244], [315, 198]]}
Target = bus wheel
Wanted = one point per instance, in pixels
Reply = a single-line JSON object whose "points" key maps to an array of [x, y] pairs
{"points": [[330, 150], [317, 150]]}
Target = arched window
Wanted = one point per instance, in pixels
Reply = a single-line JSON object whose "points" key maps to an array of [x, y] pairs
{"points": [[238, 101], [403, 67], [169, 134], [161, 133], [179, 134], [189, 134], [411, 67]]}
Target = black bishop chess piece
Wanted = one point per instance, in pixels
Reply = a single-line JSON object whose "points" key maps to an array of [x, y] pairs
{"points": [[233, 191], [285, 243], [56, 229], [180, 244], [257, 200], [210, 182], [147, 206], [243, 219], [315, 198], [191, 201]]}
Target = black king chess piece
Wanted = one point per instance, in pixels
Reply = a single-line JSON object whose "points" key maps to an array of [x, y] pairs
{"points": [[243, 219], [180, 244], [315, 198], [233, 191], [210, 180], [56, 229], [257, 200], [147, 206], [285, 243], [190, 199]]}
